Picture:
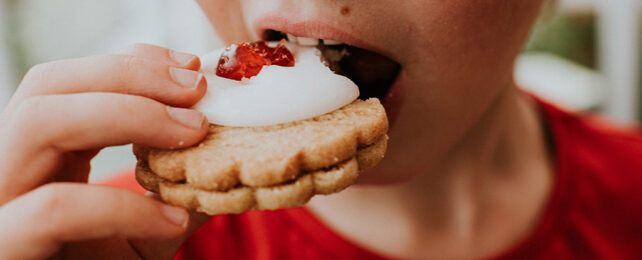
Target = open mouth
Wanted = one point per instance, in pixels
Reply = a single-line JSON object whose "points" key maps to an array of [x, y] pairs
{"points": [[373, 73]]}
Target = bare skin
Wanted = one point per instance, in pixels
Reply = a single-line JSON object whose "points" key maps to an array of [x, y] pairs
{"points": [[485, 198], [467, 173], [62, 114], [468, 170]]}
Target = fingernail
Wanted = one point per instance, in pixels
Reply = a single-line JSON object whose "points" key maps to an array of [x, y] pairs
{"points": [[187, 117], [176, 215], [186, 78], [181, 57]]}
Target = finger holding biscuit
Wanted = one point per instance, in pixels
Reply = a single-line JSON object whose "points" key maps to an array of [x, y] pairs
{"points": [[86, 121], [164, 55], [71, 109], [71, 216], [67, 108], [177, 85]]}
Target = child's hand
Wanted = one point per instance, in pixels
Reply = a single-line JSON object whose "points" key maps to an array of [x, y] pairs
{"points": [[62, 114]]}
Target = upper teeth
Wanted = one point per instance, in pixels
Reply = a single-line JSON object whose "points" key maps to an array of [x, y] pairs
{"points": [[310, 41], [307, 41]]}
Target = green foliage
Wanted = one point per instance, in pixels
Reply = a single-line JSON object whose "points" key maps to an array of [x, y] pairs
{"points": [[19, 54], [572, 36]]}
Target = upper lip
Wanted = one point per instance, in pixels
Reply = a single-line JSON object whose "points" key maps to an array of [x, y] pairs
{"points": [[313, 28]]}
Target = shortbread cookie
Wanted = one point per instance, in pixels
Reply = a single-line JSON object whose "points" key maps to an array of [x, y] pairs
{"points": [[269, 155], [240, 199], [235, 169]]}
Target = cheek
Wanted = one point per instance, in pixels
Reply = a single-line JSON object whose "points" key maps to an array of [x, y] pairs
{"points": [[461, 60], [465, 44], [476, 27], [227, 18]]}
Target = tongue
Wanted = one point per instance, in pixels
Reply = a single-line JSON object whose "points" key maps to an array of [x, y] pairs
{"points": [[372, 72]]}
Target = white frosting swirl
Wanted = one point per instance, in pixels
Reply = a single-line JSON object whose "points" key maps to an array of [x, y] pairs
{"points": [[277, 94]]}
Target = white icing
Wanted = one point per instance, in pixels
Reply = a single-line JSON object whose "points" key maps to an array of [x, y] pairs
{"points": [[277, 94]]}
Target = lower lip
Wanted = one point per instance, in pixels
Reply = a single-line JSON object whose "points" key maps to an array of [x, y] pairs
{"points": [[394, 98]]}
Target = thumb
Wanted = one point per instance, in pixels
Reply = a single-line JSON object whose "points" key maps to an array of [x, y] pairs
{"points": [[36, 224], [167, 249]]}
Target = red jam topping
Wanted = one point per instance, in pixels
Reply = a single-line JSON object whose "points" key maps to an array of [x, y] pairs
{"points": [[247, 59]]}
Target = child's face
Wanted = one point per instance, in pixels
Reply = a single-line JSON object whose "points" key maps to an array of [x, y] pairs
{"points": [[456, 58]]}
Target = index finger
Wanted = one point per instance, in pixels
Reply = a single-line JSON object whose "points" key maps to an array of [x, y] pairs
{"points": [[167, 56]]}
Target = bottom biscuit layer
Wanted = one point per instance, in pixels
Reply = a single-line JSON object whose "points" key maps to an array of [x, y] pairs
{"points": [[245, 198], [242, 199]]}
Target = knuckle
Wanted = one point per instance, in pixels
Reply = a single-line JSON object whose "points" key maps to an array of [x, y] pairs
{"points": [[20, 126], [27, 110], [121, 197], [127, 64], [144, 72], [36, 74], [136, 48], [37, 69], [123, 66], [51, 200]]}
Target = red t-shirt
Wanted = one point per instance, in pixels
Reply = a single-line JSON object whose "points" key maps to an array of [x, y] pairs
{"points": [[595, 211]]}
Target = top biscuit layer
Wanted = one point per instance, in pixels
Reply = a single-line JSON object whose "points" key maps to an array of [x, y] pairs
{"points": [[270, 155]]}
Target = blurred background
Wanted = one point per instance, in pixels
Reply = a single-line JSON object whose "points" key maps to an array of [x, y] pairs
{"points": [[583, 55]]}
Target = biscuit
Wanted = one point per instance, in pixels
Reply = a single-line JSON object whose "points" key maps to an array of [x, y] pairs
{"points": [[270, 155], [240, 199], [239, 168]]}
